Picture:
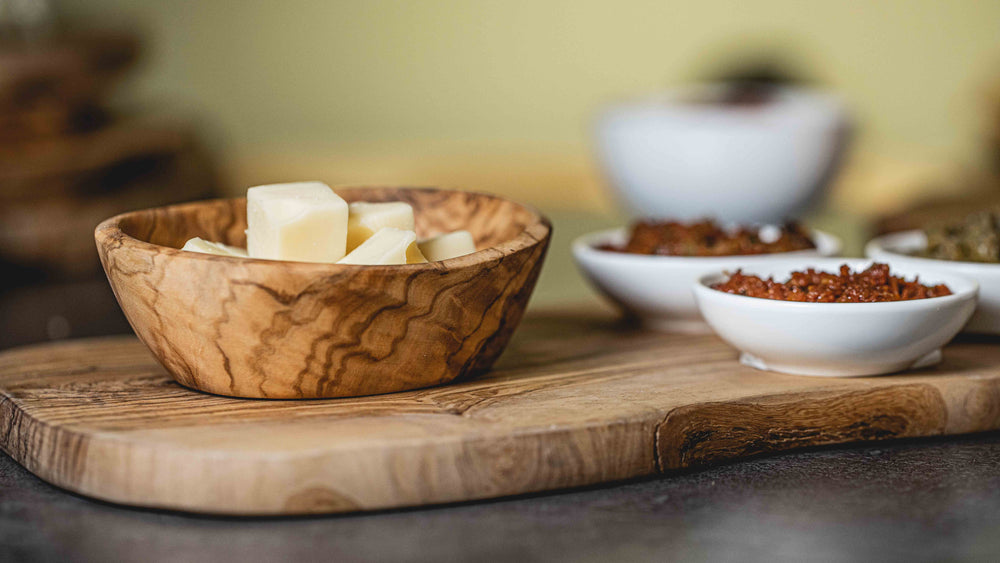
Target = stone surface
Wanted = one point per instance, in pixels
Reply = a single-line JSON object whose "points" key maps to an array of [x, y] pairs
{"points": [[927, 500]]}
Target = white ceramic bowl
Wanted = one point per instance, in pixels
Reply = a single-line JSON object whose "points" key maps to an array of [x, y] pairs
{"points": [[668, 157], [838, 339], [899, 247], [657, 289]]}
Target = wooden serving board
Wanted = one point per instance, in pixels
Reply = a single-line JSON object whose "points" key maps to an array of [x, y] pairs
{"points": [[577, 399]]}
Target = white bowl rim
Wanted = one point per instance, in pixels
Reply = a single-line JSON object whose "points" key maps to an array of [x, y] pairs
{"points": [[587, 244], [889, 244], [962, 287]]}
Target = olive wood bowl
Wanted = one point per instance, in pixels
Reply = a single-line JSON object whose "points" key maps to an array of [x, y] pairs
{"points": [[280, 330]]}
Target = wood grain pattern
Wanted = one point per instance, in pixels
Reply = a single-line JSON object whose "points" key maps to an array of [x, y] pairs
{"points": [[577, 399], [268, 329]]}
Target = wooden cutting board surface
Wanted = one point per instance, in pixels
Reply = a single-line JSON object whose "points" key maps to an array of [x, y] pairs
{"points": [[577, 399]]}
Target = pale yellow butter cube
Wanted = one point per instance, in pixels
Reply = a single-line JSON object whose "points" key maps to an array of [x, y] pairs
{"points": [[302, 221], [448, 245], [198, 244], [387, 246], [366, 219]]}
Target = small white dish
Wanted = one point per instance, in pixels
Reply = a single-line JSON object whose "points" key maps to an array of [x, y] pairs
{"points": [[657, 289], [899, 248], [668, 155], [837, 339]]}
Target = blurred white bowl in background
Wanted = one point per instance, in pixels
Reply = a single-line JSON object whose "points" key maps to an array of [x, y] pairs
{"points": [[657, 289], [671, 157]]}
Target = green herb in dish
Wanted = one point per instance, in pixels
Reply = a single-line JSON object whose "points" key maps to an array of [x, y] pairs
{"points": [[975, 239]]}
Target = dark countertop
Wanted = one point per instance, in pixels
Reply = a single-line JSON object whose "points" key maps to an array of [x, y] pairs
{"points": [[927, 500]]}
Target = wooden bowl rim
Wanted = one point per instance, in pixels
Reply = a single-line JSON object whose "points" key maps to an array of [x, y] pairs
{"points": [[534, 233]]}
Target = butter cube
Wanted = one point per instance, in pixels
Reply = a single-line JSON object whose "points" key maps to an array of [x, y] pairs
{"points": [[303, 221], [366, 219], [449, 245], [208, 247], [387, 246]]}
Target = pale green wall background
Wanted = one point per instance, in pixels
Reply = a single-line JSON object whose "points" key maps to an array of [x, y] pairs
{"points": [[297, 81]]}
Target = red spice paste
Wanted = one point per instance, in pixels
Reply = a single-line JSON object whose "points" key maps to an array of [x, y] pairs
{"points": [[872, 285], [705, 238]]}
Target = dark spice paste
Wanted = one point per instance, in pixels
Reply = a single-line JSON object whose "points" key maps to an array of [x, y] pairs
{"points": [[742, 94], [706, 238], [872, 285]]}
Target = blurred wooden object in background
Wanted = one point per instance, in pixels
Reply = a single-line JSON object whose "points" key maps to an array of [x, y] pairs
{"points": [[55, 191], [68, 161], [979, 193], [55, 85], [974, 192], [993, 132]]}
